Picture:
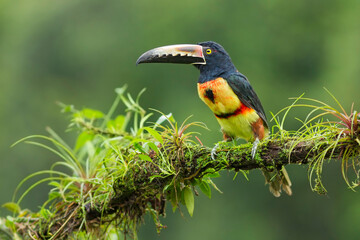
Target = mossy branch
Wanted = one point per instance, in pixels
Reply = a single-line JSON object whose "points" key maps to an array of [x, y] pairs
{"points": [[119, 176]]}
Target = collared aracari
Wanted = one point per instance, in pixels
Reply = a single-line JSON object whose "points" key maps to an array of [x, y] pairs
{"points": [[227, 93]]}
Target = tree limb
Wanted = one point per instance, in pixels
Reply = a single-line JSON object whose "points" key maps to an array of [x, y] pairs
{"points": [[127, 175]]}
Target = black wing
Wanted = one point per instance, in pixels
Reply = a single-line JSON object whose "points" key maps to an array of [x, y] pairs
{"points": [[242, 88]]}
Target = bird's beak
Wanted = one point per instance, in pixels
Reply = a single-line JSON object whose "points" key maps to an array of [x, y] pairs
{"points": [[181, 53]]}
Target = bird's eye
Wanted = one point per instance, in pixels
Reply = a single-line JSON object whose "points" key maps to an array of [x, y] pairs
{"points": [[208, 51]]}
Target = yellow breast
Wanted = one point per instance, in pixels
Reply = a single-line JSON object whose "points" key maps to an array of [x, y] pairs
{"points": [[235, 119], [218, 95]]}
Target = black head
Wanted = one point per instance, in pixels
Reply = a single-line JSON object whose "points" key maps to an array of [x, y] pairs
{"points": [[218, 61]]}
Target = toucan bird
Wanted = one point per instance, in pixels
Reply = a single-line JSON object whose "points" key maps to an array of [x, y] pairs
{"points": [[227, 93]]}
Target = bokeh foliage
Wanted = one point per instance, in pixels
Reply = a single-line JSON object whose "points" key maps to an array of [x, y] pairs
{"points": [[79, 51]]}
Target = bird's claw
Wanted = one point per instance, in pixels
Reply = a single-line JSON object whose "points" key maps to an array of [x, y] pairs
{"points": [[213, 151], [254, 147]]}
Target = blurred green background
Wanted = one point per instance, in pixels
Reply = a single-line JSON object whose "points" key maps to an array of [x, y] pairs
{"points": [[79, 51]]}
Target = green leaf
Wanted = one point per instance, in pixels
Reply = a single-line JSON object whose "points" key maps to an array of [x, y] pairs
{"points": [[139, 147], [12, 207], [163, 118], [82, 139], [189, 200], [145, 157], [209, 170], [213, 175], [153, 147], [121, 91], [55, 184], [214, 186], [174, 207], [67, 108], [205, 188], [245, 174], [9, 223], [54, 195], [45, 213], [155, 176], [173, 194], [117, 123], [91, 113], [169, 187], [155, 134]]}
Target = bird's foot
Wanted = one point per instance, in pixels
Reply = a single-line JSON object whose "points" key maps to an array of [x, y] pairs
{"points": [[219, 145], [254, 147], [213, 151]]}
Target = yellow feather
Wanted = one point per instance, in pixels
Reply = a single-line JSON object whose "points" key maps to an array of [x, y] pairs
{"points": [[225, 101], [239, 125]]}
